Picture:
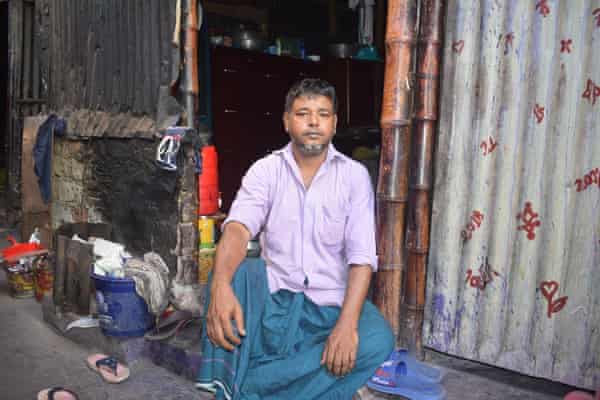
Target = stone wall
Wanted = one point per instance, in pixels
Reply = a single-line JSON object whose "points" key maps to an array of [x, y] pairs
{"points": [[116, 181]]}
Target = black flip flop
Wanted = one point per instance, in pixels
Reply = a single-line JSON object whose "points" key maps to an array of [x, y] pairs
{"points": [[48, 394], [170, 325]]}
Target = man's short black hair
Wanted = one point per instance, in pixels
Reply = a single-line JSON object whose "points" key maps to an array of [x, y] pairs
{"points": [[310, 87]]}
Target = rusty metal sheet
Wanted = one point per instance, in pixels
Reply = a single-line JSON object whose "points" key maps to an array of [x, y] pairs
{"points": [[514, 264], [108, 55]]}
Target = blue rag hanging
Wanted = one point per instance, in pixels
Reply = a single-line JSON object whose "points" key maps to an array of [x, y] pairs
{"points": [[42, 152]]}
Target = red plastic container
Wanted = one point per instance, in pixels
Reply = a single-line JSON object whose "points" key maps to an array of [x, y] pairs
{"points": [[18, 249], [208, 183]]}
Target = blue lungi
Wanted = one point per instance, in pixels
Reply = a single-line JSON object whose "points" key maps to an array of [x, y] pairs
{"points": [[279, 357]]}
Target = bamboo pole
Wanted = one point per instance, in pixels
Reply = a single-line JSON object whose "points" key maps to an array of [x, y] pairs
{"points": [[392, 185], [191, 63], [417, 227]]}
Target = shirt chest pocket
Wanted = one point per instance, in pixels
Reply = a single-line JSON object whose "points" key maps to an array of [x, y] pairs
{"points": [[332, 225]]}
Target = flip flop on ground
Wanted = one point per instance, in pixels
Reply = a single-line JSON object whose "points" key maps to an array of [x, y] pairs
{"points": [[393, 377], [108, 367], [579, 395], [57, 393], [420, 370], [170, 325]]}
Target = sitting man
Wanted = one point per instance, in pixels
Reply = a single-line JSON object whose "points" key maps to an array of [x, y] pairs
{"points": [[302, 328]]}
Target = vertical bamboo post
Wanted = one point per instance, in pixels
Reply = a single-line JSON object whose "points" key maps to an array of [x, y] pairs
{"points": [[392, 185], [191, 63], [417, 225]]}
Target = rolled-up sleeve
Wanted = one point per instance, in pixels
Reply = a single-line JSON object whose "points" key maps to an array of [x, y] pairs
{"points": [[251, 203], [360, 227]]}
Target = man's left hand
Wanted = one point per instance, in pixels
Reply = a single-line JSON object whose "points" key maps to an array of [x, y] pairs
{"points": [[340, 350]]}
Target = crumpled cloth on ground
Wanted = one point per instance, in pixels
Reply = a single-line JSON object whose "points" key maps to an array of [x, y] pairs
{"points": [[109, 256], [151, 276]]}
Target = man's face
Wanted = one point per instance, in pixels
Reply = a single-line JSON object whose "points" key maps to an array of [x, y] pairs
{"points": [[311, 124]]}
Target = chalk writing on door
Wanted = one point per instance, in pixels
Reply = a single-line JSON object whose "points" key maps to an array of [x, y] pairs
{"points": [[565, 45], [590, 179], [486, 275], [591, 91], [530, 221], [596, 14], [458, 46], [538, 111], [508, 42], [476, 220], [489, 145], [543, 8], [549, 289]]}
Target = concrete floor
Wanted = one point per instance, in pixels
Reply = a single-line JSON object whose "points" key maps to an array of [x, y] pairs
{"points": [[34, 357]]}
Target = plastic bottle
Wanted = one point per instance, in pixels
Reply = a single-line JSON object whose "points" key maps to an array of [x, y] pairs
{"points": [[208, 182]]}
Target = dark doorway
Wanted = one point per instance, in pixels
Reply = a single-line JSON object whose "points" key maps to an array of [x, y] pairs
{"points": [[3, 96]]}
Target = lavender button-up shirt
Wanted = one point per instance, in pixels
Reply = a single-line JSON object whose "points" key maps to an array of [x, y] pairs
{"points": [[309, 236]]}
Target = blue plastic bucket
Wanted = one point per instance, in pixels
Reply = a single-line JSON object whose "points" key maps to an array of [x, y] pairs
{"points": [[122, 312]]}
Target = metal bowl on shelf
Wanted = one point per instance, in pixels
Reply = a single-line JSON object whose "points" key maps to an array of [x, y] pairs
{"points": [[249, 40], [341, 50]]}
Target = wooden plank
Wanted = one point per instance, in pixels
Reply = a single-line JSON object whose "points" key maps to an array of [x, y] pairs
{"points": [[60, 270], [31, 199], [71, 281], [84, 268]]}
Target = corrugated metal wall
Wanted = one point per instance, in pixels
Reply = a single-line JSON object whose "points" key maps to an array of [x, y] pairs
{"points": [[514, 268], [109, 55]]}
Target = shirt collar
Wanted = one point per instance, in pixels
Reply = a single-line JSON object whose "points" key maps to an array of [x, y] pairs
{"points": [[332, 153]]}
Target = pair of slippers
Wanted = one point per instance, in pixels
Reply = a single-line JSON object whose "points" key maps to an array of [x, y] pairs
{"points": [[401, 374], [107, 367]]}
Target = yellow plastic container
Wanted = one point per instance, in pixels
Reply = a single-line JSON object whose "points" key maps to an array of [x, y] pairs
{"points": [[206, 228], [206, 262]]}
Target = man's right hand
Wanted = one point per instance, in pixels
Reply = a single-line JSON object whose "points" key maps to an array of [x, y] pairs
{"points": [[223, 308]]}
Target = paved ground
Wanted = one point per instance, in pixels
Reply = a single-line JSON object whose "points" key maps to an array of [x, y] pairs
{"points": [[33, 357]]}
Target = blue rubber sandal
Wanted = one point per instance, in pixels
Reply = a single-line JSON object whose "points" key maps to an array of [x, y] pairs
{"points": [[393, 378], [420, 370]]}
